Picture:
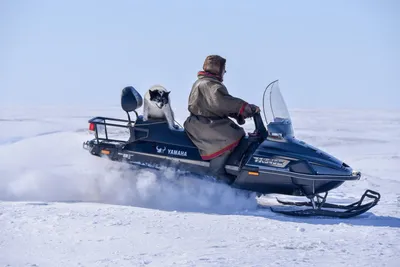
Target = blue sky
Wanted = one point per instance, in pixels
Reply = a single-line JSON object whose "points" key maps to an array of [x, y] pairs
{"points": [[334, 54]]}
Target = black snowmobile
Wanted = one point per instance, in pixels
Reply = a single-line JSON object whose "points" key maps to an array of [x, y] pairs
{"points": [[265, 161]]}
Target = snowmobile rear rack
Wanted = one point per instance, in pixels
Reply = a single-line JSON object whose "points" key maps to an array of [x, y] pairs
{"points": [[135, 133]]}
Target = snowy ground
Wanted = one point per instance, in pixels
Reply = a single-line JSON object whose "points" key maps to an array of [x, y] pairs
{"points": [[62, 207]]}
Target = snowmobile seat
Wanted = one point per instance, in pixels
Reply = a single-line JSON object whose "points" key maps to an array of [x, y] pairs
{"points": [[131, 100], [159, 131]]}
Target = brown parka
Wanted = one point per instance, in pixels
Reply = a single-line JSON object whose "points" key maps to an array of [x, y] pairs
{"points": [[210, 106]]}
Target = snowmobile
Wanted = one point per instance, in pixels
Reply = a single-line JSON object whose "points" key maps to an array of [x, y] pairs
{"points": [[267, 161]]}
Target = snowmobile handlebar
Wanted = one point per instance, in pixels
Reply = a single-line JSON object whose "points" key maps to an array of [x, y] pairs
{"points": [[259, 125], [260, 129]]}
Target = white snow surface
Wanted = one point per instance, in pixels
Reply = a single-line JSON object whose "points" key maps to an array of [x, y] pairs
{"points": [[60, 206]]}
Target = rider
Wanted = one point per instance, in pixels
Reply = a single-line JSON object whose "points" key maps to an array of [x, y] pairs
{"points": [[208, 125]]}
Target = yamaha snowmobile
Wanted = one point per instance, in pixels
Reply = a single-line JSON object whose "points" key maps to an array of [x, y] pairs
{"points": [[267, 161]]}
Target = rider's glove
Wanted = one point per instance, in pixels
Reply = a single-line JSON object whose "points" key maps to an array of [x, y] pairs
{"points": [[255, 108], [250, 110]]}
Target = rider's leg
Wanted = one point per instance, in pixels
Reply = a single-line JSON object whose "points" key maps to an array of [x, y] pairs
{"points": [[217, 167]]}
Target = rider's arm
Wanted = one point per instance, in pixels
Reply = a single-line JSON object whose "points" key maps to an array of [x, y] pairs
{"points": [[224, 104]]}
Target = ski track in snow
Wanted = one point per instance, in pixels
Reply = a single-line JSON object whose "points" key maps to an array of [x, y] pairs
{"points": [[60, 206]]}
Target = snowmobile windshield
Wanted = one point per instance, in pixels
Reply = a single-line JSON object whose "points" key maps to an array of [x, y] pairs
{"points": [[276, 113]]}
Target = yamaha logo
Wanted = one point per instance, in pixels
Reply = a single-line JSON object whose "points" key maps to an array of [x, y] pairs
{"points": [[177, 152], [173, 152], [160, 150]]}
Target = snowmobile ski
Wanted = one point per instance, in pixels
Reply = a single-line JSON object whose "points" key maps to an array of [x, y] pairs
{"points": [[322, 208]]}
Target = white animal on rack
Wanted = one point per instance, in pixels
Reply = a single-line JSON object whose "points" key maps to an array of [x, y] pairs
{"points": [[157, 105]]}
